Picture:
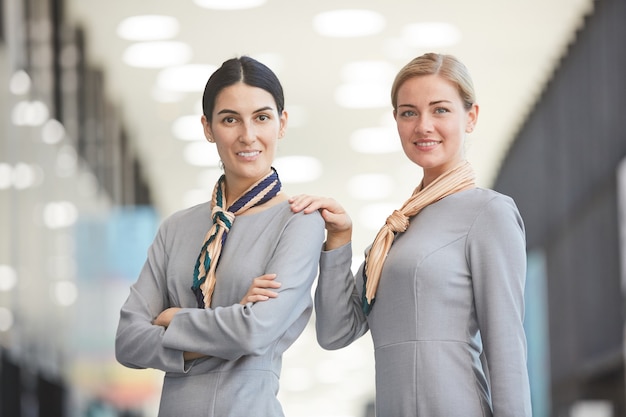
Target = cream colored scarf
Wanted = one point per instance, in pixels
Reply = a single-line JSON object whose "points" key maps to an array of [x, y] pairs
{"points": [[457, 179], [204, 278]]}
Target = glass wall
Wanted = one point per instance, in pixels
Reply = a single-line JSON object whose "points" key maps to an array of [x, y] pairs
{"points": [[75, 221]]}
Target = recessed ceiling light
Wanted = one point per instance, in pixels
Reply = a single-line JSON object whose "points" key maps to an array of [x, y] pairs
{"points": [[431, 35], [376, 140], [157, 54], [20, 83], [297, 169], [185, 78], [148, 28], [229, 4], [348, 23]]}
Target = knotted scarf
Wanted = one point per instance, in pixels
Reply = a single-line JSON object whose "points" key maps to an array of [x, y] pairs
{"points": [[204, 271], [458, 178]]}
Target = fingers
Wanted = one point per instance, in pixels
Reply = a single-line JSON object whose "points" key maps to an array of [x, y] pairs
{"points": [[311, 203], [306, 203], [261, 289]]}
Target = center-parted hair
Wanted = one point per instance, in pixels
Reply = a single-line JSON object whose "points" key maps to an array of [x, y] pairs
{"points": [[446, 66], [248, 71]]}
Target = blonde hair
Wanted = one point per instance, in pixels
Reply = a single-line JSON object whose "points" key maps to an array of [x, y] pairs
{"points": [[446, 66]]}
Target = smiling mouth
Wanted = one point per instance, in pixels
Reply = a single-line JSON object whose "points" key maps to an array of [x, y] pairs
{"points": [[248, 154], [428, 143]]}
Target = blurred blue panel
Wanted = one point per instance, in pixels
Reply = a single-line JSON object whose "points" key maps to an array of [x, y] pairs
{"points": [[536, 326]]}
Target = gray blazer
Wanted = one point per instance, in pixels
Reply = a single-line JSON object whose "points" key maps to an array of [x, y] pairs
{"points": [[447, 322], [243, 344]]}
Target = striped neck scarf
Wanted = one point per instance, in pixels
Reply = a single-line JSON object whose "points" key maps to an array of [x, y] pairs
{"points": [[204, 271], [450, 182]]}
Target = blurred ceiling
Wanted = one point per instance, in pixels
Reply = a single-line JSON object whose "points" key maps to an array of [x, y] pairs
{"points": [[510, 48]]}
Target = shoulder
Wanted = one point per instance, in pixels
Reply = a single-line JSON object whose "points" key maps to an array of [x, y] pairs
{"points": [[481, 198], [313, 220], [493, 211]]}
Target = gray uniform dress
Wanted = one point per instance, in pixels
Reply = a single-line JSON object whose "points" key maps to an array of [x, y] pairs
{"points": [[243, 344], [447, 321]]}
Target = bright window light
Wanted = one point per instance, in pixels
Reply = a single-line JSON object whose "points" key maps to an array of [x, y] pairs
{"points": [[8, 278], [148, 28], [348, 23]]}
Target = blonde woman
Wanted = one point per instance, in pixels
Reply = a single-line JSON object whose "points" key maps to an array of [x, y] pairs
{"points": [[442, 286]]}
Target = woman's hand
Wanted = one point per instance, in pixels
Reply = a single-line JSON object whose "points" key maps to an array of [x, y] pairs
{"points": [[260, 289], [338, 222], [165, 318]]}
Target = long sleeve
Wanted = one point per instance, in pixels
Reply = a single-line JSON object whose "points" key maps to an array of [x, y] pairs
{"points": [[273, 241], [230, 332], [138, 342], [497, 258], [339, 318]]}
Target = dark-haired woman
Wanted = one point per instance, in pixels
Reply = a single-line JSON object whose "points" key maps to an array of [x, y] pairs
{"points": [[193, 311]]}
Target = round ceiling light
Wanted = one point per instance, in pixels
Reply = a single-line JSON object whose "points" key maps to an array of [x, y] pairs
{"points": [[157, 54], [148, 28], [229, 4], [348, 23]]}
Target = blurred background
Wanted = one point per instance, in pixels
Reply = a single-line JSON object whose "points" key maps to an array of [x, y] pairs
{"points": [[100, 140]]}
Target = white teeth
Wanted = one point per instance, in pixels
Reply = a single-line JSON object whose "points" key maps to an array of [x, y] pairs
{"points": [[433, 143], [248, 154]]}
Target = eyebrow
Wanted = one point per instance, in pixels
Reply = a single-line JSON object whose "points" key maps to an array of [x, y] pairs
{"points": [[229, 111], [432, 103]]}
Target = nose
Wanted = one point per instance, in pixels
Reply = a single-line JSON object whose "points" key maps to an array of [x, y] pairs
{"points": [[247, 134], [424, 124]]}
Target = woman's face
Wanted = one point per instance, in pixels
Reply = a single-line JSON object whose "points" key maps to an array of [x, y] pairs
{"points": [[432, 123], [245, 127]]}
